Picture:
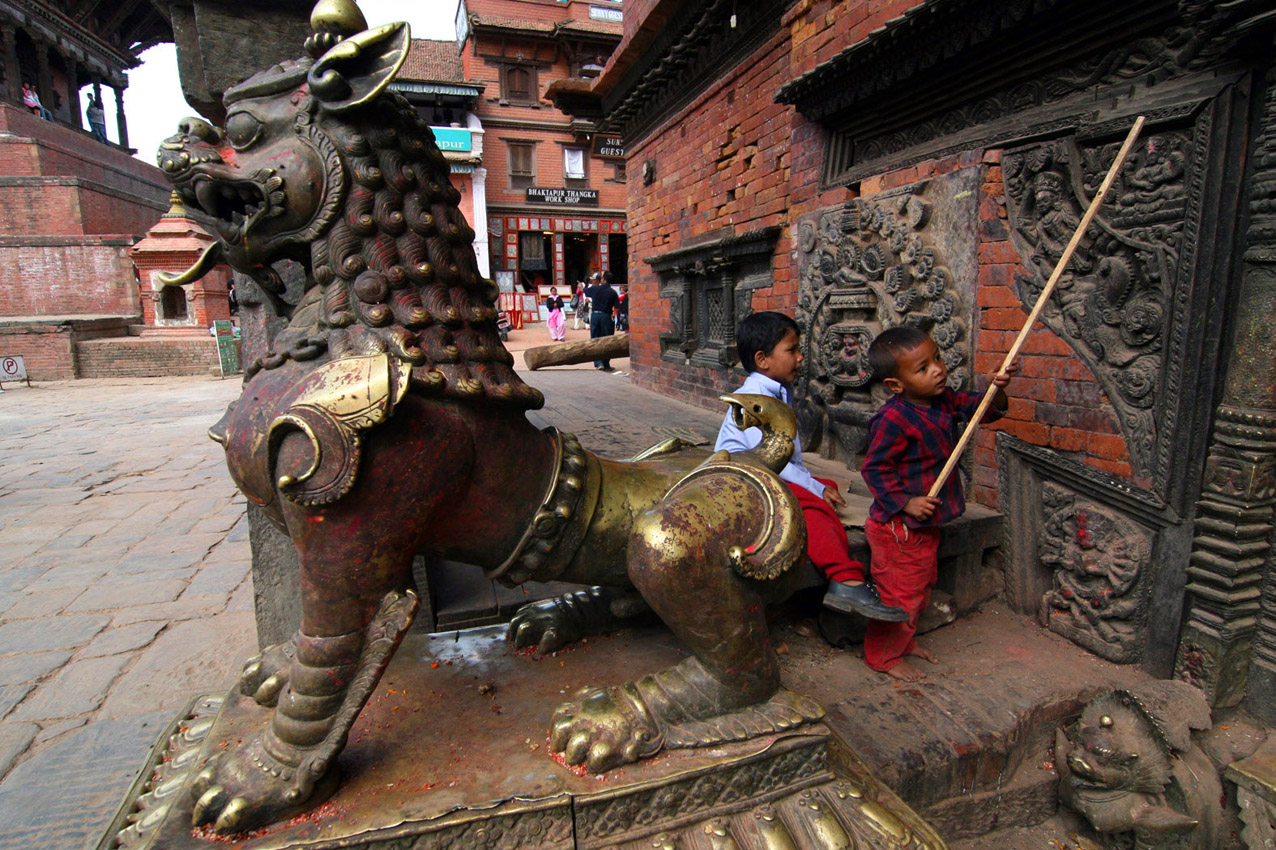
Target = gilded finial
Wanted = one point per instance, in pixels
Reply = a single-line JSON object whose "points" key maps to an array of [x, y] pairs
{"points": [[176, 209], [333, 21]]}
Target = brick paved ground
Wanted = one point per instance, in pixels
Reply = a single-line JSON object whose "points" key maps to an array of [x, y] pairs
{"points": [[124, 571]]}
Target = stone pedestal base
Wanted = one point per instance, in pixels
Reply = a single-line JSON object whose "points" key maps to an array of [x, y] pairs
{"points": [[451, 752]]}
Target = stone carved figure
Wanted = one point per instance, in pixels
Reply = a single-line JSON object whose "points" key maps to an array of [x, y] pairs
{"points": [[865, 267], [1129, 766], [1112, 303], [1097, 558], [387, 419]]}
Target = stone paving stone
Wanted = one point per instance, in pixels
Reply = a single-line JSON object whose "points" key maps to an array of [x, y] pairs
{"points": [[113, 641], [189, 658], [11, 695], [14, 740], [54, 633], [69, 541], [185, 609], [42, 603], [217, 578], [135, 564], [81, 575], [242, 600], [12, 553], [118, 594], [30, 666], [61, 727], [64, 796], [77, 688], [17, 578]]}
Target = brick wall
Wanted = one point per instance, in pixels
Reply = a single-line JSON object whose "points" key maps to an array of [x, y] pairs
{"points": [[91, 275], [48, 346], [734, 161]]}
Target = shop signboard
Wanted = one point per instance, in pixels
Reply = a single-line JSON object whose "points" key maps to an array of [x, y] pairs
{"points": [[580, 197], [452, 138], [227, 347]]}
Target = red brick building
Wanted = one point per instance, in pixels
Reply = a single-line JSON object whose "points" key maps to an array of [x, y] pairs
{"points": [[70, 209], [433, 80], [867, 163], [555, 188]]}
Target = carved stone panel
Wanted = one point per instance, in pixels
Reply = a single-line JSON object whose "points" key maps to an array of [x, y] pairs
{"points": [[1099, 560], [1113, 304], [905, 257], [1089, 555]]}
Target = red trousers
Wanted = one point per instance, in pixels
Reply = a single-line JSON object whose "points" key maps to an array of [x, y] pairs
{"points": [[905, 568], [826, 537]]}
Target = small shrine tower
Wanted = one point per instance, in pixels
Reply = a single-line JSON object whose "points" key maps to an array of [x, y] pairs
{"points": [[171, 247]]}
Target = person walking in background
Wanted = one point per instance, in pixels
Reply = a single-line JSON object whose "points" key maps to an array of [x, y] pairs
{"points": [[601, 321], [580, 304], [557, 323], [97, 120]]}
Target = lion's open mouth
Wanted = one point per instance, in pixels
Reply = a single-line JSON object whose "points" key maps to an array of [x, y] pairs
{"points": [[235, 206]]}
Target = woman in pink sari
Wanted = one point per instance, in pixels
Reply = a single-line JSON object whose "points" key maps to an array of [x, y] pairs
{"points": [[557, 322]]}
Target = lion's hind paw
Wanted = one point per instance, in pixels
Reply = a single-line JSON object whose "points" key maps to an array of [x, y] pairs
{"points": [[264, 676]]}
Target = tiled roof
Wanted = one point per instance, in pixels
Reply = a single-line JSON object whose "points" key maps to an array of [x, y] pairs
{"points": [[435, 61], [606, 28]]}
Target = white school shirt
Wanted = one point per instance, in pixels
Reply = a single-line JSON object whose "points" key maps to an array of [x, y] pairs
{"points": [[733, 439]]}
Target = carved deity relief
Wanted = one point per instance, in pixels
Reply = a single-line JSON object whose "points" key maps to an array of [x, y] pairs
{"points": [[899, 258], [1112, 304], [1099, 558]]}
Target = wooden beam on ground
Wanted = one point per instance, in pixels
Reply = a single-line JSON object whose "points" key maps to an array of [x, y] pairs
{"points": [[568, 353]]}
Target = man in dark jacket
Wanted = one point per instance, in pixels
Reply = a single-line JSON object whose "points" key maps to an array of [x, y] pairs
{"points": [[604, 300]]}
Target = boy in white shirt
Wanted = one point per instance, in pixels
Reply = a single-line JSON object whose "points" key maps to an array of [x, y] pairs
{"points": [[770, 353]]}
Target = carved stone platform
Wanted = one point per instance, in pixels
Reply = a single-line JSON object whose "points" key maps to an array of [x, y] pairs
{"points": [[452, 752]]}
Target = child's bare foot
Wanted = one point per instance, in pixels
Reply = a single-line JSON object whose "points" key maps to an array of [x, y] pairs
{"points": [[923, 654], [905, 672]]}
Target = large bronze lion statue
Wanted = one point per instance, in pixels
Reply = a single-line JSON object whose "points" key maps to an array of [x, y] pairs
{"points": [[387, 419]]}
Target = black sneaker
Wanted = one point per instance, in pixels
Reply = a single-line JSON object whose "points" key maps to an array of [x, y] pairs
{"points": [[861, 599]]}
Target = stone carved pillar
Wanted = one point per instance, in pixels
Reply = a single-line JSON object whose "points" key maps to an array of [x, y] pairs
{"points": [[120, 122], [1228, 643], [12, 71]]}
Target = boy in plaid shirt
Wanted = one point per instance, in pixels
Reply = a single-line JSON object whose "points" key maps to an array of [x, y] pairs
{"points": [[909, 440]]}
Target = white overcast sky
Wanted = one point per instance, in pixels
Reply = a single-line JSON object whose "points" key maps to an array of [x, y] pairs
{"points": [[153, 101]]}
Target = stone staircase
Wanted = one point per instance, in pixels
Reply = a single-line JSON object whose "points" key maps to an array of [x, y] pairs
{"points": [[148, 356]]}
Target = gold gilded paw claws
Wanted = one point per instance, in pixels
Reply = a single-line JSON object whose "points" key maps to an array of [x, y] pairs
{"points": [[604, 728]]}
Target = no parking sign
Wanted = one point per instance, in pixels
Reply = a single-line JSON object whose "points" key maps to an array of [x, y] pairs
{"points": [[13, 368]]}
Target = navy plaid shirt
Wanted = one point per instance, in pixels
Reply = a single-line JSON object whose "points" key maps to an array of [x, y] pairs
{"points": [[907, 447]]}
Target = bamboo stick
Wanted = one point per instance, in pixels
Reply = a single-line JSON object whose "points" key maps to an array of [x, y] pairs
{"points": [[1040, 304]]}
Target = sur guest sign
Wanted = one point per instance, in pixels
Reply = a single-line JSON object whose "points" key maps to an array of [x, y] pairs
{"points": [[609, 147]]}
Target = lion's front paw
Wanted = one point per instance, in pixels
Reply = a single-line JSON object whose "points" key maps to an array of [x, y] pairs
{"points": [[605, 728], [544, 625], [249, 788], [264, 676]]}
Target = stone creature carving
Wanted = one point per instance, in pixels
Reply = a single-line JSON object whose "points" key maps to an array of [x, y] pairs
{"points": [[1129, 766], [388, 419]]}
